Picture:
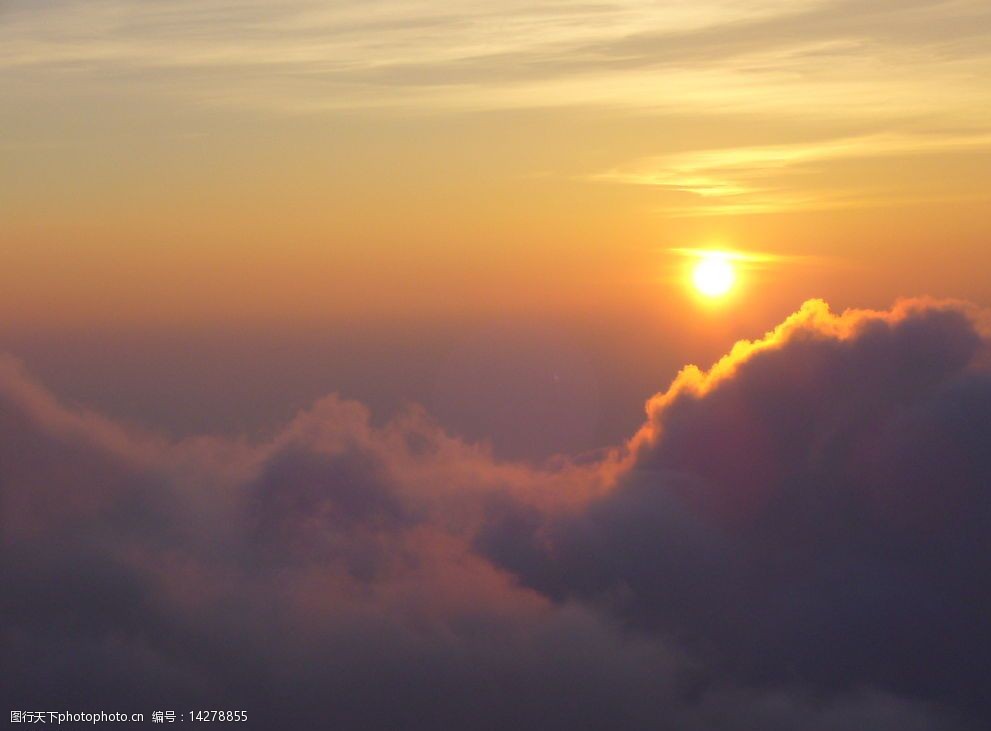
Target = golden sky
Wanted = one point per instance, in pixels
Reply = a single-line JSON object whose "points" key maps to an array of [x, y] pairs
{"points": [[497, 364], [213, 162]]}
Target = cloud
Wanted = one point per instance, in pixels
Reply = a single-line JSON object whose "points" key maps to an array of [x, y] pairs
{"points": [[868, 89], [813, 509], [794, 539], [707, 56], [324, 577], [776, 177]]}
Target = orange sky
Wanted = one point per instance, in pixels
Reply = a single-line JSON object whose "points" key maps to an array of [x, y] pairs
{"points": [[183, 164]]}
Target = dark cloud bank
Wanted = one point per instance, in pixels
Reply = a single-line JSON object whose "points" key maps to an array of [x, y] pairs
{"points": [[797, 539]]}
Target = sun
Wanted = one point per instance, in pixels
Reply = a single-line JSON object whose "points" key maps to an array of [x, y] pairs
{"points": [[713, 276]]}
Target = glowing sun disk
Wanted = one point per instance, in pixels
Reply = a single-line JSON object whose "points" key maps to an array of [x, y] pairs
{"points": [[713, 276]]}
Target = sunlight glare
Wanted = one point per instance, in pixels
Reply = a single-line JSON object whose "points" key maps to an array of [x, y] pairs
{"points": [[713, 276]]}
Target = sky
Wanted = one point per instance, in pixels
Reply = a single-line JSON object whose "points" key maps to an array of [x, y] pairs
{"points": [[352, 349], [303, 188], [258, 164]]}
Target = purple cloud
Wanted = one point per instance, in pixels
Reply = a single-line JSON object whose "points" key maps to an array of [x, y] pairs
{"points": [[795, 539]]}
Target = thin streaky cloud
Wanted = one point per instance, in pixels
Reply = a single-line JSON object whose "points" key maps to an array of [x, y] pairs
{"points": [[707, 56], [762, 179]]}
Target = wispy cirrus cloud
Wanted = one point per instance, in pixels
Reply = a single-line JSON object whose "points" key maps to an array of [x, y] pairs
{"points": [[709, 56], [865, 81], [775, 177]]}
